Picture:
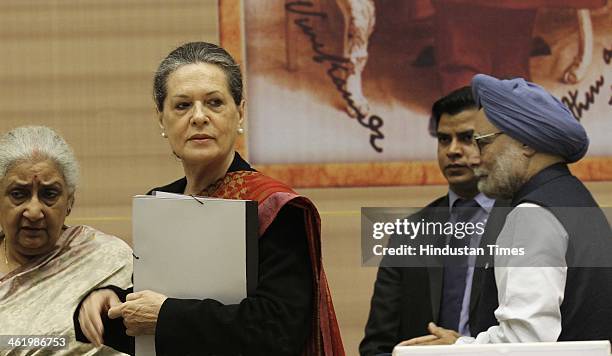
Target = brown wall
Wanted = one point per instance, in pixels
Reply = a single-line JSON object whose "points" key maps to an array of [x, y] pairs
{"points": [[85, 69]]}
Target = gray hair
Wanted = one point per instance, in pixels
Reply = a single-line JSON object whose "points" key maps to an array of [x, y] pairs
{"points": [[30, 143], [192, 53]]}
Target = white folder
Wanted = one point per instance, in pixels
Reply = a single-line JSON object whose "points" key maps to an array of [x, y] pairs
{"points": [[193, 248], [568, 348]]}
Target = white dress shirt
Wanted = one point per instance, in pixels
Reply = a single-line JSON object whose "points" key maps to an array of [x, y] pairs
{"points": [[529, 297]]}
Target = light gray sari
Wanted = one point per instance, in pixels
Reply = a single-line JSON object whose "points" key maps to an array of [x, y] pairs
{"points": [[39, 298]]}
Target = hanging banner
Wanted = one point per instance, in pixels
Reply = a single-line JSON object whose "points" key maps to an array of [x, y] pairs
{"points": [[339, 92]]}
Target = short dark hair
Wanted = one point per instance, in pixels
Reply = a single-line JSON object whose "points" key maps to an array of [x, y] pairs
{"points": [[453, 103]]}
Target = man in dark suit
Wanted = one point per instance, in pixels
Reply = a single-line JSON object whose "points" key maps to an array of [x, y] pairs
{"points": [[407, 299]]}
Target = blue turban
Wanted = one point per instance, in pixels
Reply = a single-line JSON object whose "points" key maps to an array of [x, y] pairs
{"points": [[528, 113]]}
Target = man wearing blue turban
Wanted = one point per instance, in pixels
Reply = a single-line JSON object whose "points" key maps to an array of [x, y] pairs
{"points": [[555, 283]]}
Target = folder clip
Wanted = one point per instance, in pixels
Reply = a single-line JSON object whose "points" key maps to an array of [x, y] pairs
{"points": [[196, 199]]}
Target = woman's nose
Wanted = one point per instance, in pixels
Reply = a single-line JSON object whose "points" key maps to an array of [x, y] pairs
{"points": [[33, 210], [199, 116]]}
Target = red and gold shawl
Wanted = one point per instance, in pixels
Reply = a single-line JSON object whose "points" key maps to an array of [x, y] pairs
{"points": [[271, 195]]}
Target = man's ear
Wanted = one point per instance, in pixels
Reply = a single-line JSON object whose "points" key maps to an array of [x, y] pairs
{"points": [[528, 151]]}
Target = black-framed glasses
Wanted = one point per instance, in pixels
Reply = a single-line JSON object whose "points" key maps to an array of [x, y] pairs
{"points": [[483, 140]]}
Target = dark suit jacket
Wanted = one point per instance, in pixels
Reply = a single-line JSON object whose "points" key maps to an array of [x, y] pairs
{"points": [[406, 299]]}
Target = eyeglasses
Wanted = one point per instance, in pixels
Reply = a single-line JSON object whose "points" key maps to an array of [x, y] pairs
{"points": [[483, 140]]}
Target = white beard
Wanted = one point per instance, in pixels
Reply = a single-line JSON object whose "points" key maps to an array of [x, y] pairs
{"points": [[504, 179]]}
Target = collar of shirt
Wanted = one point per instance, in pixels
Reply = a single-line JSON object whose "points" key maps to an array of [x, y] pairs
{"points": [[484, 201]]}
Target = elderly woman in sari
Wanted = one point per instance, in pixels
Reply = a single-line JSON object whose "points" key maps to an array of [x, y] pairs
{"points": [[47, 267], [198, 94]]}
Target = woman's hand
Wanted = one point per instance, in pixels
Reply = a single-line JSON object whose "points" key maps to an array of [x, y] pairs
{"points": [[139, 312], [90, 314]]}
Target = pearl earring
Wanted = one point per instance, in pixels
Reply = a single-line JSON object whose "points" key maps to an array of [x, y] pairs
{"points": [[240, 130], [163, 134]]}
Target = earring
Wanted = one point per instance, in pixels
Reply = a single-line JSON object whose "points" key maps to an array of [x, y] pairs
{"points": [[240, 130], [163, 134]]}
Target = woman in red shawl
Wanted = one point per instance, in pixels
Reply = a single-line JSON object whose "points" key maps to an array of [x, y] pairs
{"points": [[198, 93]]}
